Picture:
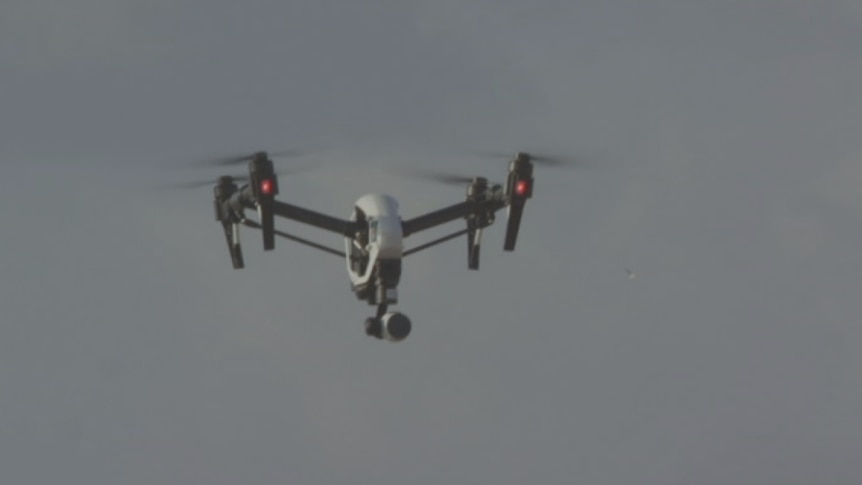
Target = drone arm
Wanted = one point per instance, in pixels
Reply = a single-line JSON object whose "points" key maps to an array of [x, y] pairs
{"points": [[255, 225], [448, 214], [299, 214], [436, 218], [312, 218], [434, 242]]}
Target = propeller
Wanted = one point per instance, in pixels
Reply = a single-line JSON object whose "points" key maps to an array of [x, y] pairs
{"points": [[540, 159], [194, 184], [203, 183], [462, 180], [440, 177], [239, 159]]}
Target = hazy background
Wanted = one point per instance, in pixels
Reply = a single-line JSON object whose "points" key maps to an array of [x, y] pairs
{"points": [[724, 147]]}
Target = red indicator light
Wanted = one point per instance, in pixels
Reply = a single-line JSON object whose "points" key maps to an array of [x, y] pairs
{"points": [[521, 187], [266, 186]]}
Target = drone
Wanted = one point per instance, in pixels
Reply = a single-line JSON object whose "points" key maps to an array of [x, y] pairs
{"points": [[375, 232]]}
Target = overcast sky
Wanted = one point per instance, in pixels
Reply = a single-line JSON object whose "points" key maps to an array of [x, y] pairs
{"points": [[722, 146]]}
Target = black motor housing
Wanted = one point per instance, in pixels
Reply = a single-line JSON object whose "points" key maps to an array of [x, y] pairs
{"points": [[519, 188], [264, 187]]}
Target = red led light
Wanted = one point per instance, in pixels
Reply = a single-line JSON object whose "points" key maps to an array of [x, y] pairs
{"points": [[266, 186], [521, 187]]}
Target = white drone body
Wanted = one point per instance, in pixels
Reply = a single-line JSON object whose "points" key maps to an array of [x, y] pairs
{"points": [[384, 241]]}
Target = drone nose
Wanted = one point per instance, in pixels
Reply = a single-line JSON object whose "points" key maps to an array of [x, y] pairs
{"points": [[389, 237]]}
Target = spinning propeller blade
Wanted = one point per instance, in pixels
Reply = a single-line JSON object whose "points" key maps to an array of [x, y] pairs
{"points": [[194, 184], [202, 183], [441, 177], [239, 159], [551, 161]]}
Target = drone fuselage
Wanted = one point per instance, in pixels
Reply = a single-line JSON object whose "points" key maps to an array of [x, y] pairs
{"points": [[373, 253]]}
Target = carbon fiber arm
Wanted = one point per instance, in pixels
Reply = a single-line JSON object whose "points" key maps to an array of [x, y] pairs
{"points": [[255, 225], [306, 216], [316, 219], [451, 213]]}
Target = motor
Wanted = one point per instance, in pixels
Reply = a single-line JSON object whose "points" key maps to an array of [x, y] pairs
{"points": [[392, 326]]}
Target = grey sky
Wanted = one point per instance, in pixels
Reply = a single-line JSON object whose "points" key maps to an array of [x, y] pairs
{"points": [[724, 145]]}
